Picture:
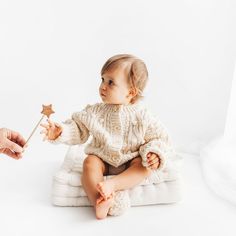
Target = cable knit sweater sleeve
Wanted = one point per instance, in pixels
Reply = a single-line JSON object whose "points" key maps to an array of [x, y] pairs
{"points": [[74, 131], [157, 141]]}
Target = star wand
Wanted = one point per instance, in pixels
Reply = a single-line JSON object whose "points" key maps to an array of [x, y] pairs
{"points": [[47, 111]]}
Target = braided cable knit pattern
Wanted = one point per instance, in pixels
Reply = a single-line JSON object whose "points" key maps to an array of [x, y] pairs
{"points": [[118, 133]]}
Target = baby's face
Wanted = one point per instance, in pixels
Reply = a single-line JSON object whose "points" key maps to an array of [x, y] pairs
{"points": [[114, 88]]}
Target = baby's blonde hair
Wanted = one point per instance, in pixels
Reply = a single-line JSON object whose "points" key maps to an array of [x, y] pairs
{"points": [[135, 68]]}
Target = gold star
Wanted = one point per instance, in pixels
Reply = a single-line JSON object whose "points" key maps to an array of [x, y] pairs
{"points": [[47, 110]]}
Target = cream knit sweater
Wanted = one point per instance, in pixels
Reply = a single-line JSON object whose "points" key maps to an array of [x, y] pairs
{"points": [[119, 133]]}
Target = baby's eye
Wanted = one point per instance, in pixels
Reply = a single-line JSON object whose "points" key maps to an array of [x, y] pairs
{"points": [[102, 79], [110, 82]]}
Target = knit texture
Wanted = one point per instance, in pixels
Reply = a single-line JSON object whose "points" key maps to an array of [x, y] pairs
{"points": [[118, 133]]}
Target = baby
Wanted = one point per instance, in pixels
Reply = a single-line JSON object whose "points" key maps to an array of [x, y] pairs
{"points": [[126, 139]]}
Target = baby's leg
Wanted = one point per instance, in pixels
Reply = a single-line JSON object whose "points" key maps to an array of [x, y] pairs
{"points": [[125, 180], [93, 170]]}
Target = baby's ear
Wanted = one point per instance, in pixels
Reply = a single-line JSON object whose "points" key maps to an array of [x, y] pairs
{"points": [[133, 92]]}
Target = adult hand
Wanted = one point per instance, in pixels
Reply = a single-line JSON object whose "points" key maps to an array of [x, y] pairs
{"points": [[11, 143]]}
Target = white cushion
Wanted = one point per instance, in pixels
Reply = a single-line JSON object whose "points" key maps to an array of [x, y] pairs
{"points": [[159, 188]]}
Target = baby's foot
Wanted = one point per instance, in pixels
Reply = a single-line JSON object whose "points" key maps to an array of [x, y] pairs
{"points": [[99, 200], [102, 207], [106, 188]]}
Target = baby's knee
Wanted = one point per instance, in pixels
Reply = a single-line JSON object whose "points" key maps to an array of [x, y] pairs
{"points": [[137, 161], [92, 161], [89, 160]]}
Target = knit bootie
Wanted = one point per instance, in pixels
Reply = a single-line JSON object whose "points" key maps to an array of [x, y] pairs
{"points": [[121, 203]]}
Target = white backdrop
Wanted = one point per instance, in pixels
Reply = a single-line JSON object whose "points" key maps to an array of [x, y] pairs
{"points": [[52, 52]]}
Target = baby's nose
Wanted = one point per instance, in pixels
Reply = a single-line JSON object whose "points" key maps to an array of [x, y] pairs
{"points": [[104, 87]]}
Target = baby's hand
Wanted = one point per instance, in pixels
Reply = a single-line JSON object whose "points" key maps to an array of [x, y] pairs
{"points": [[51, 130], [153, 160]]}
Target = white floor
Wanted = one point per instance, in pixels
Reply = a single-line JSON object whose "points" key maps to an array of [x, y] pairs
{"points": [[25, 207]]}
